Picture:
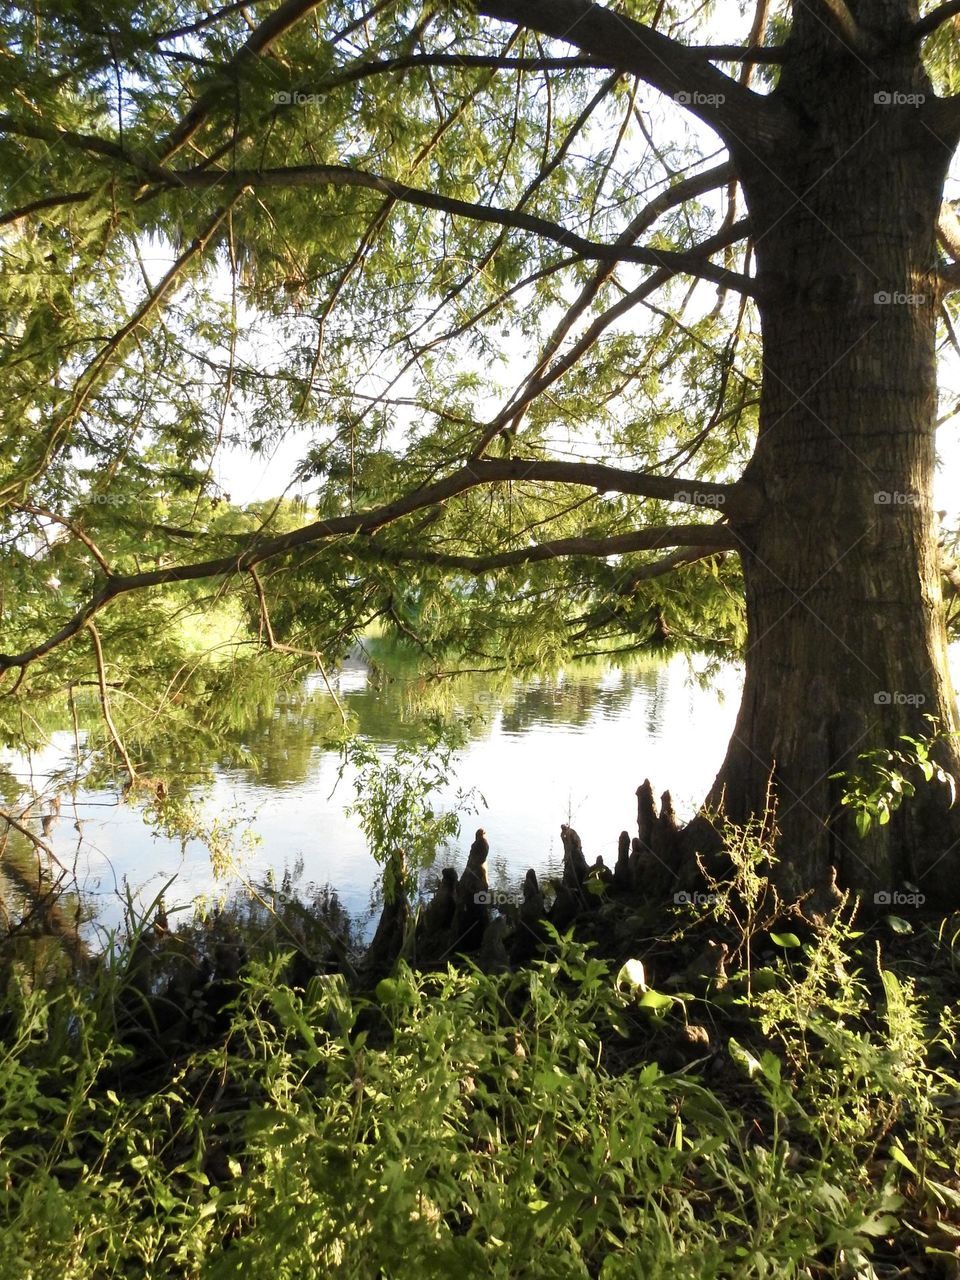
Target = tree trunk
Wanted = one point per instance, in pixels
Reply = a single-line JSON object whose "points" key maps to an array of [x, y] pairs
{"points": [[846, 639]]}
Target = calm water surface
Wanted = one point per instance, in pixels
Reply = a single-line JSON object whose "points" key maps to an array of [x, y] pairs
{"points": [[571, 749]]}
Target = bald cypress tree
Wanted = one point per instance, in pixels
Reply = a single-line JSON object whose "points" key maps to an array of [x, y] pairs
{"points": [[595, 337]]}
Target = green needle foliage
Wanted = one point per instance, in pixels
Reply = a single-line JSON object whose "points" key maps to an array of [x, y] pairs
{"points": [[152, 329]]}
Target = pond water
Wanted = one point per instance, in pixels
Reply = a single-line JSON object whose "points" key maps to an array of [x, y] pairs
{"points": [[567, 749]]}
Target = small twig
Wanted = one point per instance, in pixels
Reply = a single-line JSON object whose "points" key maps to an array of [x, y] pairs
{"points": [[276, 647], [73, 528], [37, 841], [105, 702]]}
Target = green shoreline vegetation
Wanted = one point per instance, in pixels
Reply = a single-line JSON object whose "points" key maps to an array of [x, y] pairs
{"points": [[723, 1088], [219, 1102]]}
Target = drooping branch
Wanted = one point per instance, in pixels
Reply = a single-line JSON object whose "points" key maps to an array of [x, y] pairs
{"points": [[736, 500], [498, 62], [37, 841], [380, 219], [738, 114], [208, 20], [66, 137], [659, 568], [611, 611], [105, 362], [688, 189], [239, 180], [691, 263], [105, 702], [273, 644], [17, 214], [675, 195], [457, 61], [44, 514]]}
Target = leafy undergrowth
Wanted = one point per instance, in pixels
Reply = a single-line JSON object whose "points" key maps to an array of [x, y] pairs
{"points": [[589, 1116]]}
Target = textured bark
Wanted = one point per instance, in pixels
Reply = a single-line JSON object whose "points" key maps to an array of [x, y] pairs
{"points": [[846, 638]]}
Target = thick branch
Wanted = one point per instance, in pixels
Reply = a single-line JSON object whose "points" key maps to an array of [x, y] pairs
{"points": [[739, 500], [285, 16], [735, 500], [934, 19], [11, 216], [691, 263], [458, 61], [67, 137], [738, 115], [751, 53], [715, 536], [950, 277]]}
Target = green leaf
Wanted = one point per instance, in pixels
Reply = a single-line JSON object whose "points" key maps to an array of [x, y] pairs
{"points": [[785, 939], [658, 1001], [897, 1153]]}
